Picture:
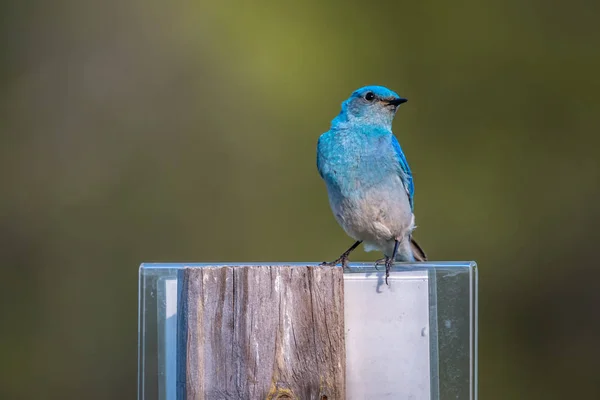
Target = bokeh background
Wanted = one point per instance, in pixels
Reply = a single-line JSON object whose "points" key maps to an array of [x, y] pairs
{"points": [[136, 131]]}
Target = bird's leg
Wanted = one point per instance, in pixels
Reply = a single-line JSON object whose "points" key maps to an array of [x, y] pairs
{"points": [[344, 257], [390, 261]]}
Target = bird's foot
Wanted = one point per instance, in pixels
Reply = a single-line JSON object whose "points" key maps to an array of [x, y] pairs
{"points": [[344, 257], [330, 263], [381, 261], [343, 260], [389, 262]]}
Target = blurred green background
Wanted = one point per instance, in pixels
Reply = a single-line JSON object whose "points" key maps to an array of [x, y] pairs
{"points": [[139, 131]]}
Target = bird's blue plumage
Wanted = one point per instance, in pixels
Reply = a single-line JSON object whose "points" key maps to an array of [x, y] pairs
{"points": [[368, 179], [405, 172]]}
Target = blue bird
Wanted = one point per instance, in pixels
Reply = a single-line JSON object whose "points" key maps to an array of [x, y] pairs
{"points": [[369, 182]]}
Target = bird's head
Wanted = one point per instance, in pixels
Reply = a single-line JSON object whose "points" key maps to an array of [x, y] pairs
{"points": [[375, 105]]}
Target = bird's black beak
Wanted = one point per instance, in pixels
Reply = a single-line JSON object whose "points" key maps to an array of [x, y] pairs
{"points": [[396, 102]]}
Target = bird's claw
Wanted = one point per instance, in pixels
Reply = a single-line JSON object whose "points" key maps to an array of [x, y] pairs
{"points": [[381, 261], [343, 260], [389, 262], [344, 257]]}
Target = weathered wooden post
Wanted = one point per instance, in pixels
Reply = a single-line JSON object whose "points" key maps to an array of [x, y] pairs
{"points": [[261, 332]]}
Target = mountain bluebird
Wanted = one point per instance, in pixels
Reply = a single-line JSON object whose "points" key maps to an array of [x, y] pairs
{"points": [[369, 183]]}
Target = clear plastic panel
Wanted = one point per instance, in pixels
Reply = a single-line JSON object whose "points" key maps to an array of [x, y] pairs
{"points": [[416, 338]]}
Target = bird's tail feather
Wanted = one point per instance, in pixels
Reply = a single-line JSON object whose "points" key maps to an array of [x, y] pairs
{"points": [[417, 251]]}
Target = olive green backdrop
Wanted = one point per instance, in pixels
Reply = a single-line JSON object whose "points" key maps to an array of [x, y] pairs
{"points": [[139, 131]]}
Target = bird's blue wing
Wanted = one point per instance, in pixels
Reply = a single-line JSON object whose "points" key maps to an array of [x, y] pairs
{"points": [[405, 173], [320, 158]]}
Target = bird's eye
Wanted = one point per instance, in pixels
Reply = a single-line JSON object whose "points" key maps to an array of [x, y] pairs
{"points": [[369, 96]]}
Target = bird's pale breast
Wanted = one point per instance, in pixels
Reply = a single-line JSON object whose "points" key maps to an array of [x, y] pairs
{"points": [[365, 191], [377, 215]]}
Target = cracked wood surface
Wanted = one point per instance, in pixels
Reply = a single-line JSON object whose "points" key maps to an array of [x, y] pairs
{"points": [[261, 332]]}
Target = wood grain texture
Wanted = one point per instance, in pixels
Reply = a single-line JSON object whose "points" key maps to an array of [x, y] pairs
{"points": [[261, 332]]}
